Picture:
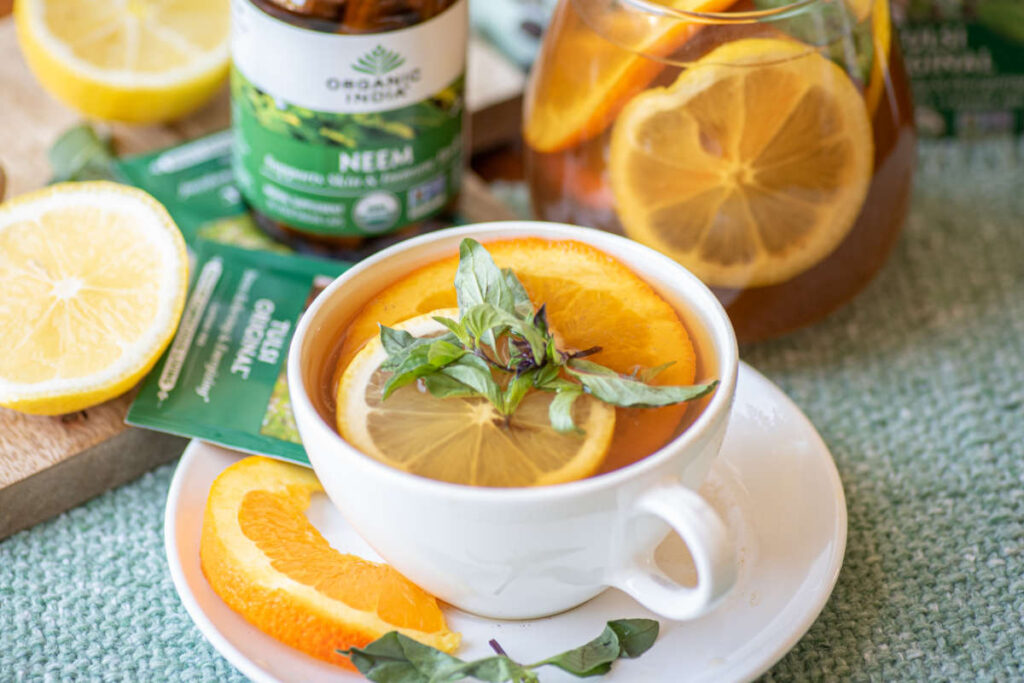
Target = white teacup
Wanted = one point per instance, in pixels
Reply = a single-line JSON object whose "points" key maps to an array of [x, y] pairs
{"points": [[528, 552]]}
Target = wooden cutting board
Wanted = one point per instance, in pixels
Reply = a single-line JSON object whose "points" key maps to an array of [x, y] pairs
{"points": [[50, 464]]}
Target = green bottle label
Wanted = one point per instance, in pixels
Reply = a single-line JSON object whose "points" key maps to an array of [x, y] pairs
{"points": [[347, 135]]}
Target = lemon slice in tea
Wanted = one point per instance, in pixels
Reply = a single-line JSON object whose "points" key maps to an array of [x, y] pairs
{"points": [[749, 169], [465, 440]]}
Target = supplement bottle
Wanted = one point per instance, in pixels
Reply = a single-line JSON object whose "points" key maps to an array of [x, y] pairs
{"points": [[347, 115]]}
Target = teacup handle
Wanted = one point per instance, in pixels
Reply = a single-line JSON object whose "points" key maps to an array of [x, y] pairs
{"points": [[710, 545]]}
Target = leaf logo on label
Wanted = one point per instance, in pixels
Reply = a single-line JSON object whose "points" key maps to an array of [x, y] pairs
{"points": [[379, 61]]}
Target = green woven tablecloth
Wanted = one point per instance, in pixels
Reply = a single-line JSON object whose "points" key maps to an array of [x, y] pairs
{"points": [[917, 387]]}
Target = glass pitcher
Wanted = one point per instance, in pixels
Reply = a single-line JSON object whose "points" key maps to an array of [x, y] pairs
{"points": [[767, 145]]}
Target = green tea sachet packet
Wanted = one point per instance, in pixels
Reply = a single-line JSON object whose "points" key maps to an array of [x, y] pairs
{"points": [[193, 180], [223, 377]]}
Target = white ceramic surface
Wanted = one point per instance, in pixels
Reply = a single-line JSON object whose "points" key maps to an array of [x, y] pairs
{"points": [[774, 483], [530, 552]]}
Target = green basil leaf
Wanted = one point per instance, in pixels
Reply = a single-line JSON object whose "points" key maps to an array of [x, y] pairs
{"points": [[456, 328], [551, 353], [521, 303], [497, 669], [545, 375], [443, 352], [540, 321], [486, 321], [516, 391], [830, 25], [594, 658], [395, 658], [415, 365], [483, 318], [821, 23], [474, 372], [395, 341], [560, 409], [441, 385], [537, 340], [623, 638], [636, 636], [400, 346], [611, 387], [80, 153], [479, 281]]}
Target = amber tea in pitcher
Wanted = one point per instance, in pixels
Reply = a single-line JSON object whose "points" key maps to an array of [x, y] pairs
{"points": [[766, 145]]}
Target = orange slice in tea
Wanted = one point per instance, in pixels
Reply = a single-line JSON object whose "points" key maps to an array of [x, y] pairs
{"points": [[465, 440], [751, 168], [262, 556], [584, 79], [591, 300]]}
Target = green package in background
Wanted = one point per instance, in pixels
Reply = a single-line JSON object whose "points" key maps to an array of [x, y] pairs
{"points": [[965, 59], [195, 182], [223, 377]]}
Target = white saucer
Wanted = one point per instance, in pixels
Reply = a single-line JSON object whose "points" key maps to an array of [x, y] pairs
{"points": [[774, 483]]}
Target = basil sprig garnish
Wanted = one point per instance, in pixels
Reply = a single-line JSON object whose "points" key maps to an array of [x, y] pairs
{"points": [[395, 658], [80, 153], [500, 348]]}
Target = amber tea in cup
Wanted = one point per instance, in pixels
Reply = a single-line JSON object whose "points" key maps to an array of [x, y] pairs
{"points": [[596, 308]]}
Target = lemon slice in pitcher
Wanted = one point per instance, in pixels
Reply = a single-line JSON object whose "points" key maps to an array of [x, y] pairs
{"points": [[751, 168], [465, 440]]}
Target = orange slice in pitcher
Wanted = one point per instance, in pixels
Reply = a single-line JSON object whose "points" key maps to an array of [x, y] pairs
{"points": [[584, 79], [265, 559], [881, 36], [591, 299], [751, 168]]}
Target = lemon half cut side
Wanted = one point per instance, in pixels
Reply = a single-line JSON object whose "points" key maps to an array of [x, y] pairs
{"points": [[93, 279], [138, 61]]}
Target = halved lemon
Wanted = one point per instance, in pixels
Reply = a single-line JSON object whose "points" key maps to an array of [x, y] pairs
{"points": [[92, 284], [749, 169], [265, 559], [465, 440], [138, 61]]}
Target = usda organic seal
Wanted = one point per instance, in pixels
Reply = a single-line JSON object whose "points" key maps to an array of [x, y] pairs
{"points": [[377, 211]]}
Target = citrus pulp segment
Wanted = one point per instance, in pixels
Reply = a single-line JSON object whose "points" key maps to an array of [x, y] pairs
{"points": [[750, 168], [92, 283], [591, 299], [465, 440], [138, 61], [262, 556]]}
